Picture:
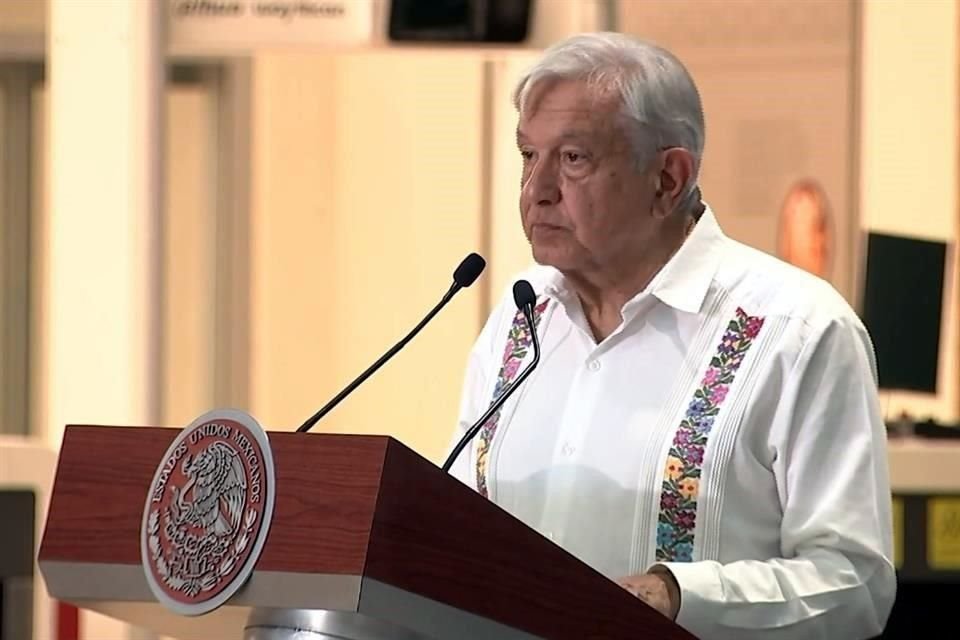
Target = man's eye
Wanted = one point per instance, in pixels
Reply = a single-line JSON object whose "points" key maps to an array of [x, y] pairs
{"points": [[572, 156], [526, 155]]}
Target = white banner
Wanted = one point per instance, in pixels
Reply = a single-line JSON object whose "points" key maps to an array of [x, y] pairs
{"points": [[238, 26]]}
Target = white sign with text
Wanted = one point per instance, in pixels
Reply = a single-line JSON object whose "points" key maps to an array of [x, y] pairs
{"points": [[245, 25]]}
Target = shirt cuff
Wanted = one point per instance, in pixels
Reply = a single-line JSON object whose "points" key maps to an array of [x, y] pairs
{"points": [[700, 587]]}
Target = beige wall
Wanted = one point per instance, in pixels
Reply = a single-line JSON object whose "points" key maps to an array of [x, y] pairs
{"points": [[189, 255], [909, 123], [366, 195]]}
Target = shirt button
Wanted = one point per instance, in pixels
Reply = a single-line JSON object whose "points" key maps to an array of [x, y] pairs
{"points": [[594, 365], [567, 450]]}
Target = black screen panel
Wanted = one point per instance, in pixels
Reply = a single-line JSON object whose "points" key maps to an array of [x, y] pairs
{"points": [[902, 309]]}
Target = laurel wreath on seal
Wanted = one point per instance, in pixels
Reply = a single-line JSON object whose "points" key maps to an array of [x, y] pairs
{"points": [[208, 580]]}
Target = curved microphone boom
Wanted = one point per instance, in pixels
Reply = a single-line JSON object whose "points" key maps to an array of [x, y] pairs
{"points": [[525, 299], [465, 274]]}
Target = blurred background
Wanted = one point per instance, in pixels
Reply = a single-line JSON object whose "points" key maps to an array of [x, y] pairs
{"points": [[243, 203]]}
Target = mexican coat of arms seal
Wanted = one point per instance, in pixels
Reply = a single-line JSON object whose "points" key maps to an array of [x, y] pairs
{"points": [[207, 512]]}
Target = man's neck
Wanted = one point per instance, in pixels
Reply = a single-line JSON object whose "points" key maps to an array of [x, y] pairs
{"points": [[604, 292]]}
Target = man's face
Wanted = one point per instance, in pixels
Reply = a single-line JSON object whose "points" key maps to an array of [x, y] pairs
{"points": [[584, 204]]}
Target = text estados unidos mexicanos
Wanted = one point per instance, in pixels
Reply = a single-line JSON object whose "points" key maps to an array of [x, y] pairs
{"points": [[247, 450]]}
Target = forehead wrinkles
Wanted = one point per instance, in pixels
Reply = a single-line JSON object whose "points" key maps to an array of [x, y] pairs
{"points": [[570, 95]]}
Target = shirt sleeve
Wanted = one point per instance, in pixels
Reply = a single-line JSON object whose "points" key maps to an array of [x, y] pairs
{"points": [[835, 577]]}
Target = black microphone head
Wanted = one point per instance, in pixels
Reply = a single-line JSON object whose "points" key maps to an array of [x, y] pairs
{"points": [[469, 270], [523, 294]]}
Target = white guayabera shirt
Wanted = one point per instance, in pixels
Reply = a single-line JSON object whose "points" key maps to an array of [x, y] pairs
{"points": [[728, 429]]}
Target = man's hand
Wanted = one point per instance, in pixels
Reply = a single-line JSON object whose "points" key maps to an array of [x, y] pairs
{"points": [[659, 589]]}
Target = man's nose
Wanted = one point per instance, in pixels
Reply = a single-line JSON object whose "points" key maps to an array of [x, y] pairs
{"points": [[542, 185]]}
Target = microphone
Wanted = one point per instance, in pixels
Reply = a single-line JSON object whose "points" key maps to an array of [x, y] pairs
{"points": [[465, 274], [525, 299]]}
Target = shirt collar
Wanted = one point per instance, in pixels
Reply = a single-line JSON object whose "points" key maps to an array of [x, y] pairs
{"points": [[684, 281]]}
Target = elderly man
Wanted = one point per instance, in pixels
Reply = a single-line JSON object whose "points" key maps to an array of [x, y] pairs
{"points": [[703, 426]]}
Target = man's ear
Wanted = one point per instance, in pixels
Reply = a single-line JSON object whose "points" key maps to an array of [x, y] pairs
{"points": [[676, 172]]}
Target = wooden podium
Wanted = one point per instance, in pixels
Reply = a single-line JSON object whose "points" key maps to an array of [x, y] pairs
{"points": [[368, 540]]}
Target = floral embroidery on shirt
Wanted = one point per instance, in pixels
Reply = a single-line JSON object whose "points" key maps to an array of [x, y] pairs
{"points": [[518, 344], [681, 477]]}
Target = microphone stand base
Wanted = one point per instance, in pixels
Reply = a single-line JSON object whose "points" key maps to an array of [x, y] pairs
{"points": [[321, 624]]}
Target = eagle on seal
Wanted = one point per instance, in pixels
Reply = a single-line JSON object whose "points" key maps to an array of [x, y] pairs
{"points": [[215, 493]]}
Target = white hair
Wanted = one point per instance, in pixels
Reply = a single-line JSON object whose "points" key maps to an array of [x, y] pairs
{"points": [[659, 98]]}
